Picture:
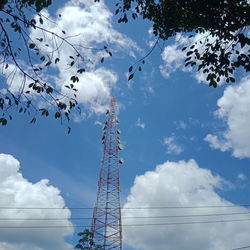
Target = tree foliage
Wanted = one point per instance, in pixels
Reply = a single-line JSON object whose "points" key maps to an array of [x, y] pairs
{"points": [[27, 62], [86, 241], [224, 46]]}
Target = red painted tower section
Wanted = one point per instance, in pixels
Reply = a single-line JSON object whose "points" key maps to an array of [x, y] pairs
{"points": [[106, 222]]}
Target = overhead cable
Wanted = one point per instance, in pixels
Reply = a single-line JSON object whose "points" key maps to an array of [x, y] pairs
{"points": [[125, 208], [241, 248], [135, 217], [130, 225]]}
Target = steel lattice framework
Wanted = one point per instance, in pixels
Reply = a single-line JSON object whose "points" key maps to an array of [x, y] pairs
{"points": [[106, 222]]}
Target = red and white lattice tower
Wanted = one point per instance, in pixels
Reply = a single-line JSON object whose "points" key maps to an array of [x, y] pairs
{"points": [[106, 221]]}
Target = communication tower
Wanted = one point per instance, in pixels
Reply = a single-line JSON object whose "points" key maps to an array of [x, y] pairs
{"points": [[106, 222]]}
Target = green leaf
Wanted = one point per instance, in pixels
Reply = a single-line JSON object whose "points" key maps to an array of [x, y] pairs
{"points": [[69, 130], [33, 120], [41, 20], [3, 121], [189, 53], [48, 63], [49, 90], [32, 45], [187, 59], [80, 70], [57, 115], [199, 67], [45, 112], [130, 77], [232, 79]]}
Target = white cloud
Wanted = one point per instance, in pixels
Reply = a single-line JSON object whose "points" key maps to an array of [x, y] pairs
{"points": [[234, 108], [185, 184], [216, 143], [16, 191], [241, 177], [172, 146], [14, 78], [94, 88], [139, 123], [90, 26], [173, 56], [87, 25], [173, 59], [98, 123], [180, 124]]}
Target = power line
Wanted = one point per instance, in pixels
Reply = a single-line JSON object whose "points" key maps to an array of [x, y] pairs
{"points": [[134, 217], [130, 225], [241, 248], [38, 227], [185, 216], [125, 208], [186, 223]]}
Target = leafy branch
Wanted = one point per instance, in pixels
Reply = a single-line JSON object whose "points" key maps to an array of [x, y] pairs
{"points": [[226, 23], [86, 241], [26, 63]]}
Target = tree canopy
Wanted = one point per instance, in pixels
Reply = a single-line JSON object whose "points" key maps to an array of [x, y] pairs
{"points": [[38, 5], [224, 46]]}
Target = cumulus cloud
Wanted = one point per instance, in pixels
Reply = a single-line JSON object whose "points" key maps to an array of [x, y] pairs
{"points": [[16, 191], [88, 27], [181, 184], [173, 59], [94, 88], [234, 108], [216, 143], [172, 146]]}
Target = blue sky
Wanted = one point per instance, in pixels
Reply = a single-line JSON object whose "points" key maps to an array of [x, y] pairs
{"points": [[188, 143]]}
